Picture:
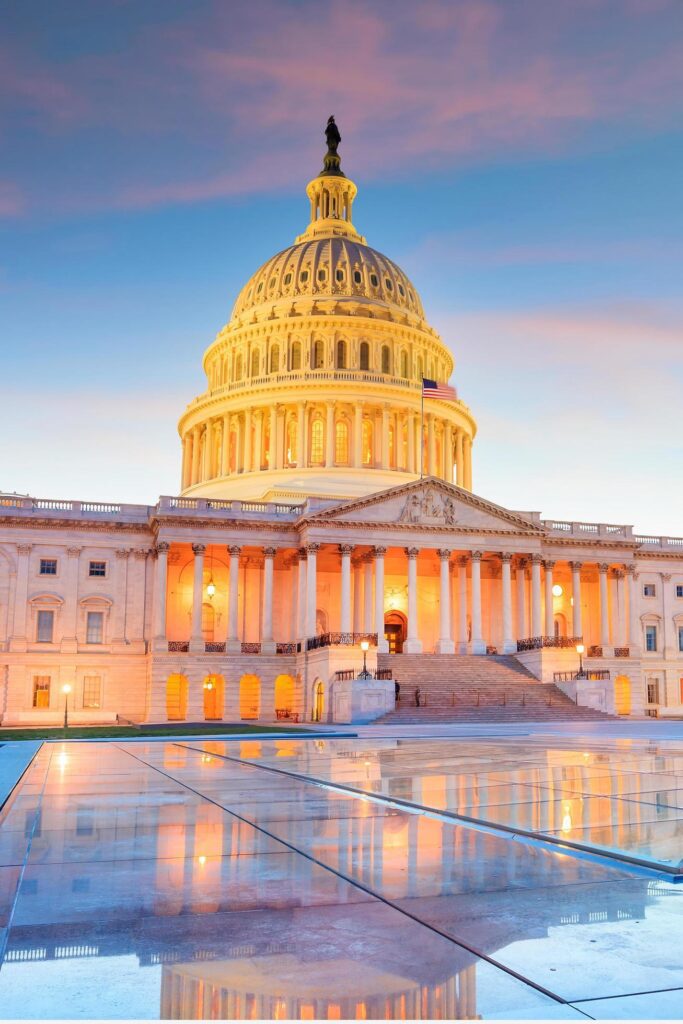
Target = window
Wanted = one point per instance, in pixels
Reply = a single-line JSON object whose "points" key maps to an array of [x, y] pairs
{"points": [[649, 590], [341, 355], [260, 287], [94, 628], [303, 276], [653, 691], [341, 443], [48, 567], [238, 368], [364, 355], [404, 364], [374, 280], [46, 623], [274, 359], [322, 274], [288, 279], [97, 569], [401, 291], [680, 638], [255, 362], [271, 283], [41, 691], [679, 590], [317, 443], [357, 276], [650, 638], [392, 447], [296, 355], [388, 284], [385, 359], [291, 441], [367, 443], [339, 274], [318, 355], [92, 691]]}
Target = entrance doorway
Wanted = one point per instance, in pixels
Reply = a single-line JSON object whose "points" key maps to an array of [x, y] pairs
{"points": [[395, 631], [622, 695]]}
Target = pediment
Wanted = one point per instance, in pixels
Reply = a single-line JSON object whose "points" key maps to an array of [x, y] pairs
{"points": [[427, 503]]}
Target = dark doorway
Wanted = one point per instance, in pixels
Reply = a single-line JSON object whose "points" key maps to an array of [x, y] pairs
{"points": [[395, 631]]}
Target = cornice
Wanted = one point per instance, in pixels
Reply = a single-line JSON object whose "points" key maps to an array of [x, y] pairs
{"points": [[92, 525], [360, 524]]}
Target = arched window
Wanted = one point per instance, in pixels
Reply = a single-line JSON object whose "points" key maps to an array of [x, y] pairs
{"points": [[404, 364], [366, 443], [274, 359], [392, 447], [318, 355], [341, 443], [296, 355], [420, 368], [385, 359], [291, 441], [364, 355], [317, 438], [255, 363], [238, 368], [341, 355]]}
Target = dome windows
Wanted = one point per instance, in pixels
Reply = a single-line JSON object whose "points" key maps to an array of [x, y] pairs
{"points": [[401, 291], [287, 279], [357, 277], [322, 274], [341, 355], [318, 355], [317, 438], [274, 359], [388, 284], [386, 359], [255, 362], [339, 274], [341, 443], [271, 283], [364, 355], [303, 276], [260, 288], [296, 355], [374, 280]]}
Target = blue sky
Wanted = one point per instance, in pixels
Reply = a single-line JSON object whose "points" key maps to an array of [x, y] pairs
{"points": [[521, 161]]}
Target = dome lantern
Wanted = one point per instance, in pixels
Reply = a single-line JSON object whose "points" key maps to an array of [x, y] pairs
{"points": [[331, 195]]}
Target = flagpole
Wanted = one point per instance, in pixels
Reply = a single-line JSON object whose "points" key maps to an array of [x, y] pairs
{"points": [[422, 430]]}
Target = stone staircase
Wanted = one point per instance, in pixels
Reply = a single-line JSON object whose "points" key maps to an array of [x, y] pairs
{"points": [[471, 688]]}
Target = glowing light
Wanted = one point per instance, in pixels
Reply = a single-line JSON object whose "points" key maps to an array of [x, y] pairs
{"points": [[210, 588], [364, 645], [580, 648], [557, 590], [201, 860], [567, 821], [66, 689], [62, 760]]}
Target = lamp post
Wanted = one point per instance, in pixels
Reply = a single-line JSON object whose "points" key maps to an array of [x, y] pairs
{"points": [[579, 650], [365, 646], [66, 690]]}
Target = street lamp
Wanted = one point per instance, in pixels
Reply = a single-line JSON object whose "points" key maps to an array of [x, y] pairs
{"points": [[365, 647], [579, 650], [66, 690]]}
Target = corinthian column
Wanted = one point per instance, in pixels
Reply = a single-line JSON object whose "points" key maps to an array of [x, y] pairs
{"points": [[633, 621], [509, 645], [521, 600], [478, 645], [367, 593], [577, 626], [412, 645], [382, 642], [462, 605], [536, 620], [301, 595], [345, 621], [311, 589], [445, 644], [233, 645], [160, 584], [549, 606], [196, 640], [267, 641], [603, 569]]}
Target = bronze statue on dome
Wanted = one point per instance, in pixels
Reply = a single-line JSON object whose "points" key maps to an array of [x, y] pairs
{"points": [[332, 161]]}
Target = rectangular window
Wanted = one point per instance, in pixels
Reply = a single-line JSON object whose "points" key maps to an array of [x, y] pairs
{"points": [[41, 691], [46, 622], [93, 633], [97, 569], [92, 691], [679, 590], [650, 638], [680, 638], [649, 590], [48, 567], [653, 692]]}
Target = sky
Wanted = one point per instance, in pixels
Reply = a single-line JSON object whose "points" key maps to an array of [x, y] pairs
{"points": [[521, 160]]}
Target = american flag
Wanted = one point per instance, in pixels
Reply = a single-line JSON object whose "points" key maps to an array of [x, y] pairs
{"points": [[434, 389]]}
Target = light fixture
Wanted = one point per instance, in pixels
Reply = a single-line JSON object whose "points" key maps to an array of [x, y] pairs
{"points": [[210, 586], [579, 650], [557, 590], [365, 647]]}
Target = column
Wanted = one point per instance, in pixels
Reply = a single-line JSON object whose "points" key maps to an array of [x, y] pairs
{"points": [[69, 642], [345, 621], [536, 610], [412, 645], [206, 455], [620, 609], [257, 448], [385, 437], [300, 433], [509, 644], [603, 569], [577, 626], [185, 445], [301, 595], [522, 631], [239, 461], [358, 435], [448, 453], [357, 596], [311, 589], [367, 594], [225, 450], [233, 645], [549, 606], [445, 644], [196, 641], [272, 438], [382, 643], [468, 462], [633, 620], [477, 645], [329, 435], [459, 459], [196, 433], [267, 641], [18, 633], [431, 445], [462, 605], [160, 584], [121, 587], [411, 443]]}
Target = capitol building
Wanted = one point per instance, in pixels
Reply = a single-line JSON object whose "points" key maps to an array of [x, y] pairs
{"points": [[326, 542]]}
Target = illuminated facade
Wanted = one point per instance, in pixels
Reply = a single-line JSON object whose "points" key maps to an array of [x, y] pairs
{"points": [[323, 502]]}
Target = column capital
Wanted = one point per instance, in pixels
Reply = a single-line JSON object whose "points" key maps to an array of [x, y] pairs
{"points": [[24, 549], [379, 552], [617, 574], [576, 566], [522, 562], [412, 553], [368, 558], [549, 564], [234, 549], [303, 554], [141, 553], [505, 557], [536, 559], [270, 552], [122, 553], [463, 561], [312, 549], [73, 552], [476, 556], [602, 567], [629, 569], [199, 549], [444, 554], [666, 576], [345, 549]]}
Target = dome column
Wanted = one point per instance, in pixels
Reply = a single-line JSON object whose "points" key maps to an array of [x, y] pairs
{"points": [[248, 454], [358, 435], [448, 453], [206, 454], [431, 445], [410, 419], [385, 436], [329, 435], [257, 453], [459, 459], [468, 463], [225, 451], [272, 438], [194, 470]]}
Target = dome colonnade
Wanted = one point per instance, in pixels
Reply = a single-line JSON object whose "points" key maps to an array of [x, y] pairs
{"points": [[319, 374]]}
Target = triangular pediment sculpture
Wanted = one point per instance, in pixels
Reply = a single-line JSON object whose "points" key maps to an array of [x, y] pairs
{"points": [[428, 503]]}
